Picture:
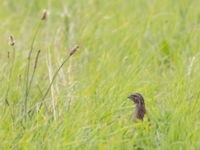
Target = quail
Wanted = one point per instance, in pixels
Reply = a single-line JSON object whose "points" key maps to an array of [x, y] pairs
{"points": [[140, 111]]}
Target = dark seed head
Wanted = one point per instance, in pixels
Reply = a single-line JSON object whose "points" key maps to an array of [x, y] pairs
{"points": [[12, 41], [44, 15], [73, 50]]}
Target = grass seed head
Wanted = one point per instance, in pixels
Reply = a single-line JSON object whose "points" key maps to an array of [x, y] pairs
{"points": [[44, 15], [73, 50], [12, 41]]}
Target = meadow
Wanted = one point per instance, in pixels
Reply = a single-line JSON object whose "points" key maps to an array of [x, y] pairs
{"points": [[53, 99]]}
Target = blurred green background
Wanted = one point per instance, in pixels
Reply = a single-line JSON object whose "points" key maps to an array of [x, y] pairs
{"points": [[126, 46]]}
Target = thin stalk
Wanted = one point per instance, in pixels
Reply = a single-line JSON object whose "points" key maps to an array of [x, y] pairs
{"points": [[54, 77], [56, 73], [28, 66], [12, 43], [10, 76], [34, 69], [44, 16], [52, 90]]}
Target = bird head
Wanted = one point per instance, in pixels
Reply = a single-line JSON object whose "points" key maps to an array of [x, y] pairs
{"points": [[137, 98]]}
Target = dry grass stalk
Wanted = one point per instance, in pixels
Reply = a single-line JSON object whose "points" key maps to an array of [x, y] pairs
{"points": [[53, 102], [56, 73]]}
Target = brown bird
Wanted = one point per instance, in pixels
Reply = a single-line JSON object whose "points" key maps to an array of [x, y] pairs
{"points": [[140, 106]]}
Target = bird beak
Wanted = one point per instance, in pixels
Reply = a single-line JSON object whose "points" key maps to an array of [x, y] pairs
{"points": [[130, 97]]}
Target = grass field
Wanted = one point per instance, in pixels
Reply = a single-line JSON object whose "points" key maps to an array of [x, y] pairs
{"points": [[151, 47]]}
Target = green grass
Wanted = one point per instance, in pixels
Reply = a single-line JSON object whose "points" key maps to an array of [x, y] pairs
{"points": [[151, 47]]}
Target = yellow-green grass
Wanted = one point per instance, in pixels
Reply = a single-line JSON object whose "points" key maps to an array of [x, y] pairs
{"points": [[151, 47]]}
